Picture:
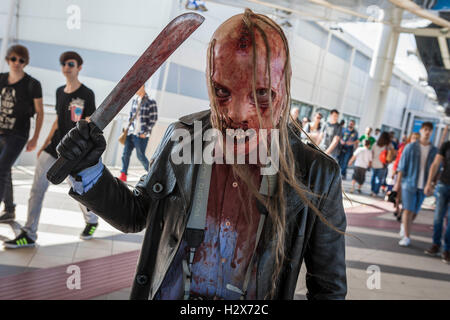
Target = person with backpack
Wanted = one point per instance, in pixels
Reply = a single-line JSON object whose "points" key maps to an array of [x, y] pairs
{"points": [[412, 176], [20, 99], [380, 148], [74, 101]]}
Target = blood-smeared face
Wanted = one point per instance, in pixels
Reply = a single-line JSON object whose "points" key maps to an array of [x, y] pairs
{"points": [[231, 68]]}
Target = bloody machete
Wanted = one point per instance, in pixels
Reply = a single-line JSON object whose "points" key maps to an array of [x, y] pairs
{"points": [[173, 35]]}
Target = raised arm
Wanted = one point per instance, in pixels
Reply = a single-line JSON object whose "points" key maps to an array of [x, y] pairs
{"points": [[95, 187]]}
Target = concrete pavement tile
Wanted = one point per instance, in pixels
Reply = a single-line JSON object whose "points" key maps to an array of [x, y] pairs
{"points": [[17, 257], [366, 294], [380, 233], [45, 261], [88, 253], [63, 250], [358, 254], [97, 243], [121, 246]]}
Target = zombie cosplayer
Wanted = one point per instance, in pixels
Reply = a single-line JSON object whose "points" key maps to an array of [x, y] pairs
{"points": [[228, 231]]}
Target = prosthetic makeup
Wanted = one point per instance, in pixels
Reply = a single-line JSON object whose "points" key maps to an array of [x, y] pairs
{"points": [[249, 74], [247, 92]]}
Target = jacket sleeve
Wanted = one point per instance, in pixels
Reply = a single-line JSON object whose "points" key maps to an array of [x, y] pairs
{"points": [[112, 200], [404, 159], [325, 252]]}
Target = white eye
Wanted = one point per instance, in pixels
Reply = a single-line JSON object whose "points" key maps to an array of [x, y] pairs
{"points": [[263, 96], [221, 92]]}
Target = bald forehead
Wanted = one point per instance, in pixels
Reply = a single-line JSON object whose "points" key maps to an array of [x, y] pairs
{"points": [[233, 47], [234, 35]]}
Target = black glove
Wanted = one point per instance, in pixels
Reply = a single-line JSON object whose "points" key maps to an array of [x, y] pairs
{"points": [[77, 141]]}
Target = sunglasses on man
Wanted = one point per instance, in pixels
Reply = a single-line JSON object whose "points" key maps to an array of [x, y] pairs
{"points": [[14, 59], [70, 64]]}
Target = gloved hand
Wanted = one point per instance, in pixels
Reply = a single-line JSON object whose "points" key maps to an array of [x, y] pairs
{"points": [[75, 143]]}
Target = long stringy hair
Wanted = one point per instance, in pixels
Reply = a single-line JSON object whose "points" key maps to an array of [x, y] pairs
{"points": [[275, 204]]}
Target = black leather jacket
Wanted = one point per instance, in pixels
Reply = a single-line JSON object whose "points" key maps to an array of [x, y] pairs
{"points": [[161, 200]]}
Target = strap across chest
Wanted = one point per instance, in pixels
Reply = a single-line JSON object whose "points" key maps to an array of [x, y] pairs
{"points": [[195, 229]]}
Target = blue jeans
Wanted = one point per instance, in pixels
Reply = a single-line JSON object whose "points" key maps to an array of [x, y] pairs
{"points": [[140, 144], [412, 200], [442, 194], [10, 148], [343, 159], [377, 179]]}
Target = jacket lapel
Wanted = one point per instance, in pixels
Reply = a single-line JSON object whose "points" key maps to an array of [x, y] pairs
{"points": [[186, 173]]}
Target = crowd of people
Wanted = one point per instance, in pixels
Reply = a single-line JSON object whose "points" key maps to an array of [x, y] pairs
{"points": [[403, 172], [21, 98], [263, 227]]}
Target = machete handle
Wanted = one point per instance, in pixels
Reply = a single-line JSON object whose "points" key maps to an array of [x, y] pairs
{"points": [[63, 167]]}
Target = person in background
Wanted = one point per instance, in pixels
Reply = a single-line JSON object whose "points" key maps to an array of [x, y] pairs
{"points": [[313, 128], [394, 140], [362, 158], [331, 135], [377, 134], [305, 121], [442, 200], [143, 116], [348, 142], [295, 112], [74, 101], [342, 124], [21, 98], [367, 136], [385, 187], [403, 142], [9, 211], [196, 5], [379, 169], [413, 171], [413, 137]]}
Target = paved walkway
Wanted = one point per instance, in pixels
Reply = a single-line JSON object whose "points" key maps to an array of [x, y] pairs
{"points": [[405, 273]]}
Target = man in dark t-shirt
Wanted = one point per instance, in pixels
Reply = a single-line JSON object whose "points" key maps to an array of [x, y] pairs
{"points": [[331, 135], [442, 199], [20, 99], [74, 101]]}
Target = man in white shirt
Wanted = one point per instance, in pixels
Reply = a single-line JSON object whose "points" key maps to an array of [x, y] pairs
{"points": [[413, 171]]}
